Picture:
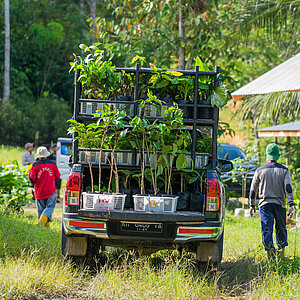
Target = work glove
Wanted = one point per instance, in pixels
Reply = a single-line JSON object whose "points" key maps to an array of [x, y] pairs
{"points": [[252, 211], [291, 211]]}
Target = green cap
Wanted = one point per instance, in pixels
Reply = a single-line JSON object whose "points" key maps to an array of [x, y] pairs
{"points": [[272, 152]]}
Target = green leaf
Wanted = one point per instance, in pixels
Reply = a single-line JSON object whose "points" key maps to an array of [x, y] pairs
{"points": [[72, 121], [218, 97], [174, 73], [193, 179], [181, 162], [84, 47], [201, 65]]}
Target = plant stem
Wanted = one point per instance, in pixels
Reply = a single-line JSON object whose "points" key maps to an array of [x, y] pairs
{"points": [[152, 175], [143, 166], [100, 155], [89, 162], [181, 182]]}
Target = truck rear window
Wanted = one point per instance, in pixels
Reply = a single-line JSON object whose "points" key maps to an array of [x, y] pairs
{"points": [[66, 149]]}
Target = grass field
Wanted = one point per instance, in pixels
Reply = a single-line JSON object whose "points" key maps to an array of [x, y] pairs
{"points": [[31, 267], [9, 153]]}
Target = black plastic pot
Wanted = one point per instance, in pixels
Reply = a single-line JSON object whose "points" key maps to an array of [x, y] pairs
{"points": [[136, 191], [196, 202], [128, 199], [188, 112], [149, 192], [124, 98], [183, 201], [205, 112]]}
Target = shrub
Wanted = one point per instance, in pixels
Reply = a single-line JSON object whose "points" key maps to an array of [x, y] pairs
{"points": [[13, 188], [22, 117]]}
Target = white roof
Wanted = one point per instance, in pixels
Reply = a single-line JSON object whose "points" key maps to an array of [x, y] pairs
{"points": [[283, 78], [286, 129]]}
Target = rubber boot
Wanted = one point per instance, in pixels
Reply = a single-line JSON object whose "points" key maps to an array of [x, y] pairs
{"points": [[47, 224], [43, 220], [271, 254]]}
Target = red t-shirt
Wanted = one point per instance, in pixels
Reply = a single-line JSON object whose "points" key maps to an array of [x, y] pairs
{"points": [[43, 173]]}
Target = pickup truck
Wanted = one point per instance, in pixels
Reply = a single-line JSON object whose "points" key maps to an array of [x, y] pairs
{"points": [[195, 223]]}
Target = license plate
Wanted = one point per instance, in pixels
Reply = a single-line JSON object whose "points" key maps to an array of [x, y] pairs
{"points": [[139, 227]]}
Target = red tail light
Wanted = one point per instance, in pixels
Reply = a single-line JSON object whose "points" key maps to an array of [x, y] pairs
{"points": [[72, 193], [213, 195]]}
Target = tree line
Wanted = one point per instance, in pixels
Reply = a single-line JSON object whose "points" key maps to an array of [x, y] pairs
{"points": [[245, 38]]}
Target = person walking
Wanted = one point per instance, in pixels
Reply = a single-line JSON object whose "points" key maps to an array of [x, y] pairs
{"points": [[28, 157], [43, 174], [271, 184]]}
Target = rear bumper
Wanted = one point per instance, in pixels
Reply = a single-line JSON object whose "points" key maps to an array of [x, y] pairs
{"points": [[177, 228]]}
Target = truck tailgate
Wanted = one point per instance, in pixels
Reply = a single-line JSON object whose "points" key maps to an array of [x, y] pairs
{"points": [[177, 217]]}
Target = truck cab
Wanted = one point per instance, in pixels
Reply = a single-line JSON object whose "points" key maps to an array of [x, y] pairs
{"points": [[63, 156]]}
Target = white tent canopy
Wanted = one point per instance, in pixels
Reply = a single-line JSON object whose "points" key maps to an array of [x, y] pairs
{"points": [[283, 78]]}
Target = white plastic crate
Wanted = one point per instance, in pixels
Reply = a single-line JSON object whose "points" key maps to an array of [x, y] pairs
{"points": [[153, 159], [201, 160], [155, 203], [153, 112], [95, 201], [147, 163], [93, 157], [90, 108], [124, 158]]}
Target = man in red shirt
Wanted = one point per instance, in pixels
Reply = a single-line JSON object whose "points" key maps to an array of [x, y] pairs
{"points": [[43, 174]]}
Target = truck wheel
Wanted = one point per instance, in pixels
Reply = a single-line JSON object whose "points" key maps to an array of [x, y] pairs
{"points": [[82, 250], [209, 254]]}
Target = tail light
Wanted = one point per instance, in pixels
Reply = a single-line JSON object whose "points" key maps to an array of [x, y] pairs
{"points": [[72, 192], [213, 195]]}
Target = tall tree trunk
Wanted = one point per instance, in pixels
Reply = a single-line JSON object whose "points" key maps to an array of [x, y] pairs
{"points": [[83, 18], [93, 13], [181, 51], [7, 54]]}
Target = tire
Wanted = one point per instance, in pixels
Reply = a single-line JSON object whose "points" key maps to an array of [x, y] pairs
{"points": [[63, 240], [220, 243]]}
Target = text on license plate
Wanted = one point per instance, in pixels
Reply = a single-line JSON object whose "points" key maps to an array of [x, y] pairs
{"points": [[139, 227]]}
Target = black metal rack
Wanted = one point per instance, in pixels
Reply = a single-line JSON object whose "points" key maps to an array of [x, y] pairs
{"points": [[211, 120]]}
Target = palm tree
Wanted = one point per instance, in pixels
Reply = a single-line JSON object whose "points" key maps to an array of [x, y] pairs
{"points": [[271, 108], [271, 16]]}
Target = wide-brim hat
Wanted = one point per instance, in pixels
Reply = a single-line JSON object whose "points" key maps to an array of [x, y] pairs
{"points": [[272, 152], [42, 152]]}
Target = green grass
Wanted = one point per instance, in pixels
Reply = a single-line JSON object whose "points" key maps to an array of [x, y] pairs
{"points": [[9, 153], [31, 266]]}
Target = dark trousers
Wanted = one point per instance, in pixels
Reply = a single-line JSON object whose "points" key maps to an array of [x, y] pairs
{"points": [[268, 213]]}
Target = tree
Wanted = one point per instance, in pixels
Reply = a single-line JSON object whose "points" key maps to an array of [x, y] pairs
{"points": [[272, 21], [165, 32], [7, 54]]}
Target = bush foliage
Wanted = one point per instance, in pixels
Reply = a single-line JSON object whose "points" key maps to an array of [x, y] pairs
{"points": [[21, 119], [13, 188]]}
